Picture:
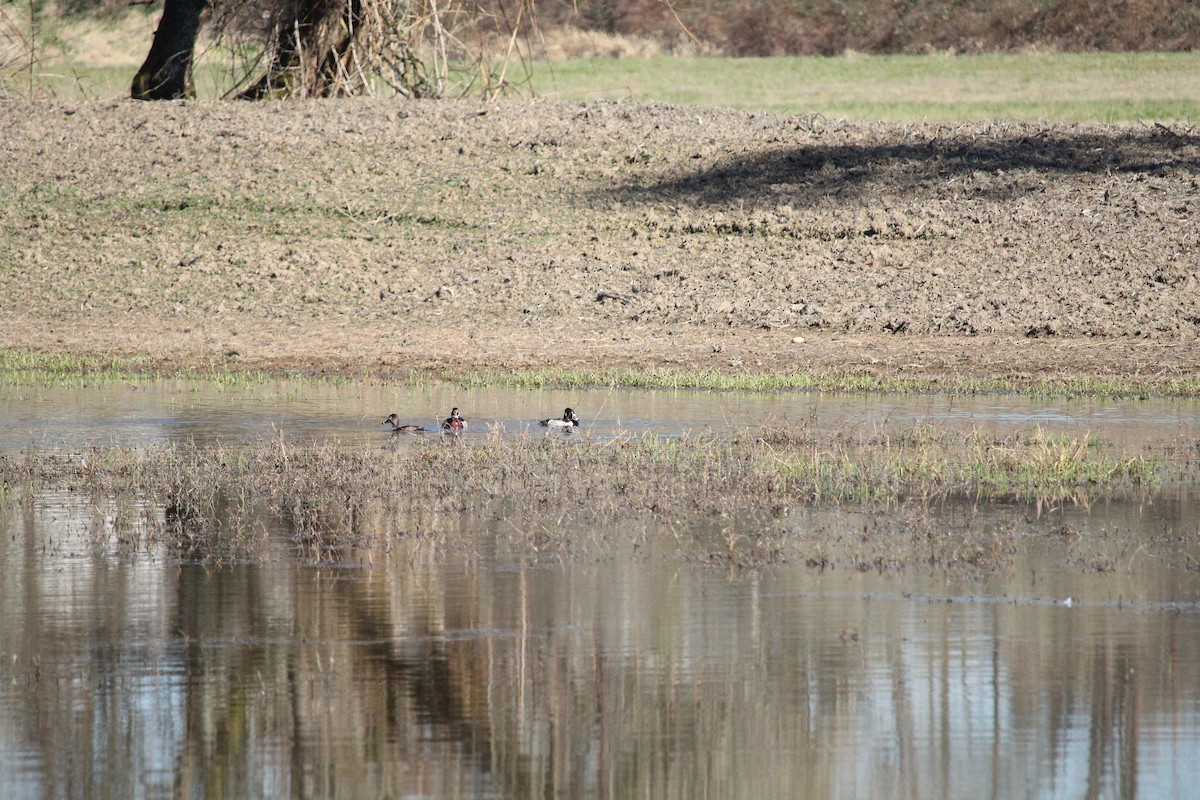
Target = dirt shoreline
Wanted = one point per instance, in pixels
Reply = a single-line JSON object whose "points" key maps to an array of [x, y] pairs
{"points": [[377, 237], [253, 346]]}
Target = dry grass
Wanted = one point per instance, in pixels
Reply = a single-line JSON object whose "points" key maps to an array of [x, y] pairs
{"points": [[211, 500], [828, 27]]}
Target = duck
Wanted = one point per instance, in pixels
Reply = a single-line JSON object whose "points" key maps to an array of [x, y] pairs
{"points": [[398, 428], [569, 419], [454, 422]]}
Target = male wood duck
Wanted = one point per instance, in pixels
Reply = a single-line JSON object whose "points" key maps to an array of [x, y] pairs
{"points": [[398, 428], [568, 420], [454, 422]]}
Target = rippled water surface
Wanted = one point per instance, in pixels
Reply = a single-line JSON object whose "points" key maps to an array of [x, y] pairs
{"points": [[178, 411], [483, 669]]}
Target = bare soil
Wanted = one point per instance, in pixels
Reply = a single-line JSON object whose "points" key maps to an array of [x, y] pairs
{"points": [[379, 236]]}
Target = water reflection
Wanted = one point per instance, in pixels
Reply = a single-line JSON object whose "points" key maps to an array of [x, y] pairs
{"points": [[412, 668], [176, 411]]}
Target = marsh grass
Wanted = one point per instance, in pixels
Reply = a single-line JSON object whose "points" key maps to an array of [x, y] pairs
{"points": [[832, 381], [25, 368], [211, 499]]}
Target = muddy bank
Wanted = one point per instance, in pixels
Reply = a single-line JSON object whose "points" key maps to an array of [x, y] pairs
{"points": [[384, 236]]}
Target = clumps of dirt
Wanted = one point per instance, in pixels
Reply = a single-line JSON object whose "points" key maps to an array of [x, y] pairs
{"points": [[370, 233]]}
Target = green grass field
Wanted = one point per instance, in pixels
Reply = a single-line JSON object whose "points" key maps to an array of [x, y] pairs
{"points": [[89, 59], [1073, 87]]}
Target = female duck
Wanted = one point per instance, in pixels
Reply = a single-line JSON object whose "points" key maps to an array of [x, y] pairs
{"points": [[454, 422], [398, 428], [569, 419]]}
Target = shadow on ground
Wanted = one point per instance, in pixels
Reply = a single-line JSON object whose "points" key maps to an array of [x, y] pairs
{"points": [[1002, 163]]}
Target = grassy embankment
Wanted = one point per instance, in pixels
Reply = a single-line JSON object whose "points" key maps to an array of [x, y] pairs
{"points": [[1063, 87], [24, 368]]}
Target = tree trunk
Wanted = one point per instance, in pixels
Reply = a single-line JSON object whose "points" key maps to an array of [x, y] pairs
{"points": [[311, 51], [167, 71]]}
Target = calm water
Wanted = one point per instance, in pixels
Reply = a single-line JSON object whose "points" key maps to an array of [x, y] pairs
{"points": [[179, 411], [486, 670]]}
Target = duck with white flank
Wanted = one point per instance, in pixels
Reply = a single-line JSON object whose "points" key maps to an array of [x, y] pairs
{"points": [[569, 419], [454, 422], [398, 428]]}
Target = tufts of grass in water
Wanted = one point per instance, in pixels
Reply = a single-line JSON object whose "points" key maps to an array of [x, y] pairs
{"points": [[925, 463], [334, 490], [1054, 464]]}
